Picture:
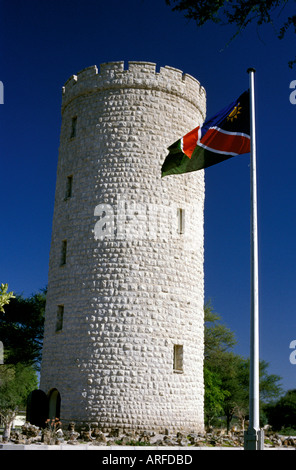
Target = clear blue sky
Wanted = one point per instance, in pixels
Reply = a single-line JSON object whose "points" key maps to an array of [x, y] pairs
{"points": [[43, 43]]}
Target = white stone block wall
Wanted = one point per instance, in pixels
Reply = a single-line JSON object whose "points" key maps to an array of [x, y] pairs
{"points": [[131, 286]]}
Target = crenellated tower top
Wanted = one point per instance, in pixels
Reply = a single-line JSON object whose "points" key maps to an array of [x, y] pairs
{"points": [[143, 75]]}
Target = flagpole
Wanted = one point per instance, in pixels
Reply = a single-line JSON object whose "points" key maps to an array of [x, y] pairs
{"points": [[254, 437]]}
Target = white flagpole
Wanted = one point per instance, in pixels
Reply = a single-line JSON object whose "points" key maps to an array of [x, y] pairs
{"points": [[254, 436]]}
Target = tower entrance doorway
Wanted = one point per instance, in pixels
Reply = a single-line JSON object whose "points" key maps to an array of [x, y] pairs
{"points": [[54, 407]]}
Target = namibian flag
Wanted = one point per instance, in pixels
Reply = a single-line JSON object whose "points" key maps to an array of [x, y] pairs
{"points": [[224, 136]]}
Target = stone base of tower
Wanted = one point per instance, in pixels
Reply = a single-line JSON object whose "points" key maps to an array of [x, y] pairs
{"points": [[121, 428], [147, 411], [135, 420], [138, 429]]}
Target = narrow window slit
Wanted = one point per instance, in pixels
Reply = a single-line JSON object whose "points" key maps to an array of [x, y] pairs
{"points": [[69, 185], [178, 358], [74, 127], [181, 220], [64, 253], [60, 318]]}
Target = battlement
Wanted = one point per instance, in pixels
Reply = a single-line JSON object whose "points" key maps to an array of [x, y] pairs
{"points": [[112, 75]]}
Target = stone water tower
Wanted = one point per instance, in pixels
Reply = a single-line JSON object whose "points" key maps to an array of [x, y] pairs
{"points": [[123, 342]]}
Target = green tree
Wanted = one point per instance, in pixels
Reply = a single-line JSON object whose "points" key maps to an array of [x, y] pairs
{"points": [[218, 342], [16, 382], [239, 13], [235, 378], [230, 370], [21, 329], [218, 337], [282, 413], [4, 296], [214, 396], [227, 374]]}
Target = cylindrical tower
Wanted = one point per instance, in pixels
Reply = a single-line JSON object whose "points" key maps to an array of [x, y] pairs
{"points": [[123, 342]]}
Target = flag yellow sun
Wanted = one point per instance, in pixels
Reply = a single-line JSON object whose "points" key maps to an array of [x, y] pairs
{"points": [[234, 113]]}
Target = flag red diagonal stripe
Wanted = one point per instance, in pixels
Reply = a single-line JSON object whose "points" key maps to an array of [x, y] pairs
{"points": [[225, 142], [190, 141]]}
